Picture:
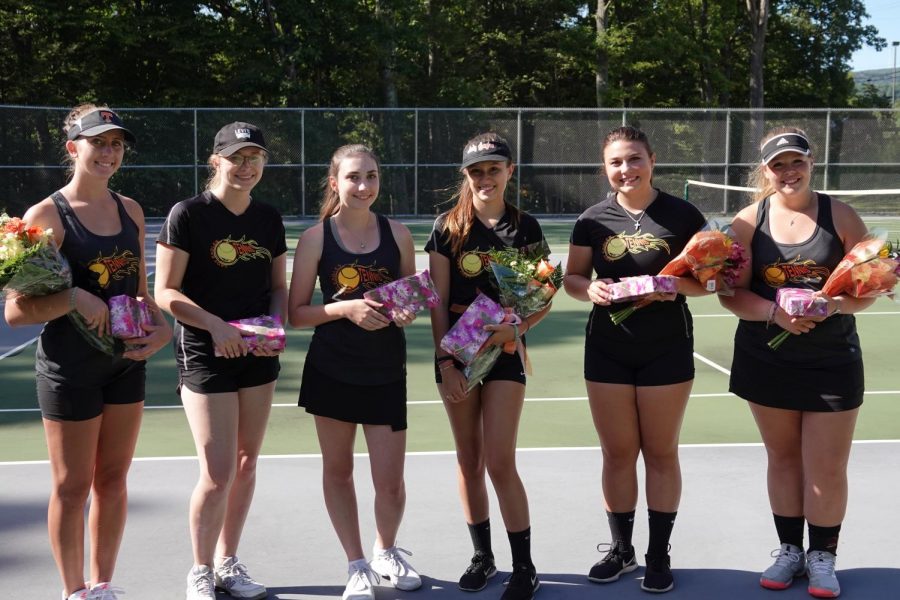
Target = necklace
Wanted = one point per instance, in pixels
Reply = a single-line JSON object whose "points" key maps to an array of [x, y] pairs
{"points": [[365, 230], [637, 222]]}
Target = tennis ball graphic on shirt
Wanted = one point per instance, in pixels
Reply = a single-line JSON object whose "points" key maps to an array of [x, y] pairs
{"points": [[348, 277], [225, 252], [102, 273], [470, 263], [774, 276], [615, 247]]}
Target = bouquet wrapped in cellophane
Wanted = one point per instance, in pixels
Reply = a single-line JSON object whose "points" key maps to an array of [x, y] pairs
{"points": [[414, 293], [526, 282], [31, 265], [870, 269], [711, 256]]}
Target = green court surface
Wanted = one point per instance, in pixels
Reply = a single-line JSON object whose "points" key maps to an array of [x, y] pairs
{"points": [[556, 414]]}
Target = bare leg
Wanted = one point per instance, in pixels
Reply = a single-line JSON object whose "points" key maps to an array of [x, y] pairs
{"points": [[387, 451], [501, 407], [661, 412], [615, 414], [336, 441]]}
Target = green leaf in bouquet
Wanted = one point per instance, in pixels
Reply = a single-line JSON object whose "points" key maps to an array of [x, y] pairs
{"points": [[104, 343]]}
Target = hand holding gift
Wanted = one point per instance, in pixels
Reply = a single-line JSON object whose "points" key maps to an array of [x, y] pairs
{"points": [[263, 334], [467, 336], [411, 294]]}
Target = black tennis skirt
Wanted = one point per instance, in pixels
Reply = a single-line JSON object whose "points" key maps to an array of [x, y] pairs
{"points": [[364, 404], [813, 389]]}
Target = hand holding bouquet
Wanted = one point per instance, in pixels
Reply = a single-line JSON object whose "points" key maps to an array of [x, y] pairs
{"points": [[712, 257], [870, 269], [30, 264]]}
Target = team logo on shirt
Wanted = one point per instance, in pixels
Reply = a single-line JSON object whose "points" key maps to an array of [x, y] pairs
{"points": [[796, 271], [349, 277], [617, 246], [228, 251], [114, 267], [472, 262]]}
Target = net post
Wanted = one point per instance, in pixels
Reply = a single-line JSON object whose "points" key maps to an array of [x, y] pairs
{"points": [[686, 186]]}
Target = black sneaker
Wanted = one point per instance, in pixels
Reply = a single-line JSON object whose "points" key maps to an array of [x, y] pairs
{"points": [[658, 574], [522, 583], [477, 574], [616, 562]]}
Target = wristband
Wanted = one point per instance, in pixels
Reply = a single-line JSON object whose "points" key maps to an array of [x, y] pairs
{"points": [[771, 316], [441, 359], [72, 295], [515, 332], [446, 367]]}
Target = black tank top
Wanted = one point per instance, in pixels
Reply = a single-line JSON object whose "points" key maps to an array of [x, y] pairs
{"points": [[341, 349], [104, 265], [806, 265]]}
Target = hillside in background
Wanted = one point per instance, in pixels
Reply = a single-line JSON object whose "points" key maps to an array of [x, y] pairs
{"points": [[880, 78]]}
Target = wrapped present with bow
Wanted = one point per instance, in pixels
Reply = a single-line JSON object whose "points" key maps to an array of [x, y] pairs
{"points": [[413, 293], [467, 336], [265, 332], [641, 286], [801, 302]]}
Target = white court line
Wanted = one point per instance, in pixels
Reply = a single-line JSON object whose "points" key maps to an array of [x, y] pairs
{"points": [[427, 402], [17, 463], [715, 366]]}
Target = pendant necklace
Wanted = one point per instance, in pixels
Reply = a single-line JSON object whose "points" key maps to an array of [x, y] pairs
{"points": [[637, 222], [362, 242]]}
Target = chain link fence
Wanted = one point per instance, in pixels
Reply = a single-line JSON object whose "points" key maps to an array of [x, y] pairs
{"points": [[557, 153]]}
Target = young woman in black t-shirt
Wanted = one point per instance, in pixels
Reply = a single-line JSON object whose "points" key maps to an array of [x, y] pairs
{"points": [[91, 403], [484, 421], [639, 373], [805, 396], [221, 256], [355, 370]]}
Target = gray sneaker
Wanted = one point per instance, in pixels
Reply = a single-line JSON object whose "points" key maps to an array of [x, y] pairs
{"points": [[823, 582], [201, 584], [790, 562], [233, 579]]}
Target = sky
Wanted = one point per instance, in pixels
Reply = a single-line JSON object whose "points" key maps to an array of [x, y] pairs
{"points": [[885, 16]]}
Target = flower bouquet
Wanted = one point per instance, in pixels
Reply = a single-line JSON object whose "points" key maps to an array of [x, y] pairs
{"points": [[31, 265], [870, 269], [526, 282], [265, 332], [712, 257], [414, 293]]}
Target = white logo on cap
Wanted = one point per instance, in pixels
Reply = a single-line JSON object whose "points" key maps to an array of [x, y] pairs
{"points": [[242, 134], [782, 142], [480, 146]]}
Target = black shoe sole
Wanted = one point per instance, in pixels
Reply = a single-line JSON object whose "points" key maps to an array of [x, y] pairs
{"points": [[658, 590]]}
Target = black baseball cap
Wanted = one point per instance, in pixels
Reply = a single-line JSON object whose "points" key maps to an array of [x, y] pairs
{"points": [[97, 122], [237, 135], [482, 150], [785, 142]]}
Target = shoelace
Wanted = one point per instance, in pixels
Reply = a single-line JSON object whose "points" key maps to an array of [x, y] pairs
{"points": [[238, 570], [362, 577], [107, 592], [784, 558], [397, 562], [478, 564], [821, 565], [609, 549], [204, 583]]}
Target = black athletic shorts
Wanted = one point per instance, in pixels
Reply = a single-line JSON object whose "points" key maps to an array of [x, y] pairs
{"points": [[383, 404], [662, 362], [813, 389], [60, 401], [220, 375], [507, 368]]}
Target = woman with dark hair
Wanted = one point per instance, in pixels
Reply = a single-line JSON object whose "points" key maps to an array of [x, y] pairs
{"points": [[805, 396], [639, 373], [355, 370], [221, 256], [91, 403], [485, 420]]}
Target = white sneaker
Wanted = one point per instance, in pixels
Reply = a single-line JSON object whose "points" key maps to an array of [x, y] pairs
{"points": [[105, 591], [359, 586], [81, 594], [390, 565], [201, 584], [233, 579]]}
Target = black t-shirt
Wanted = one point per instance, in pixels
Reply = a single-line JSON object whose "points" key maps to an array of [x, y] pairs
{"points": [[470, 272], [229, 272], [621, 250], [807, 265]]}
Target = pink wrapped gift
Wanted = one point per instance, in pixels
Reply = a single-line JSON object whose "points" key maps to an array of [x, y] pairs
{"points": [[467, 335], [799, 302], [414, 293], [126, 315], [261, 333], [632, 288]]}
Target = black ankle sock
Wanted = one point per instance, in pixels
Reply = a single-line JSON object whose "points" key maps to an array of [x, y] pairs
{"points": [[790, 529], [481, 537], [621, 526], [824, 538], [661, 524], [520, 544]]}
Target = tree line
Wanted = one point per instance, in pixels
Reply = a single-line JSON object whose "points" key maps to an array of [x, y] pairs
{"points": [[448, 53]]}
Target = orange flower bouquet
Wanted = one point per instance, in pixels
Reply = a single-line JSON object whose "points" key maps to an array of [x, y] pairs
{"points": [[712, 257], [870, 269]]}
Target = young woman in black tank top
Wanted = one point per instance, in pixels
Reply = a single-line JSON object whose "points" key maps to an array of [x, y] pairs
{"points": [[807, 393], [91, 402], [355, 370]]}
